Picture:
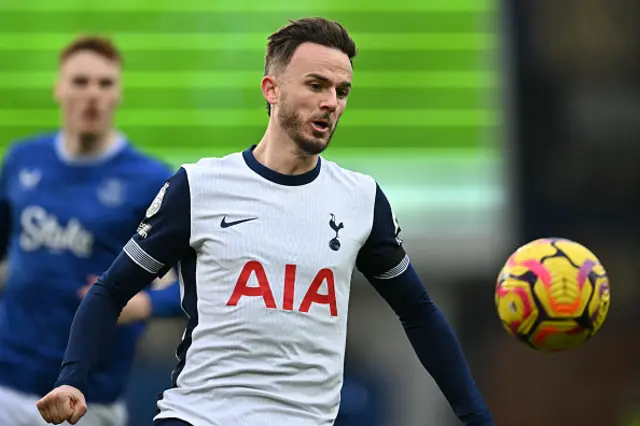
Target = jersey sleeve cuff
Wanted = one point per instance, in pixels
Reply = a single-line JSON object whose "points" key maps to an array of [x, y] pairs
{"points": [[142, 258], [396, 271]]}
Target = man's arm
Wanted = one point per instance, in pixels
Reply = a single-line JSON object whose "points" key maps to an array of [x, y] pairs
{"points": [[165, 302], [164, 297], [162, 302], [149, 254], [386, 266]]}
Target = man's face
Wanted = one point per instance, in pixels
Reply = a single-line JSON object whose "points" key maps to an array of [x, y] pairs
{"points": [[88, 91], [312, 95]]}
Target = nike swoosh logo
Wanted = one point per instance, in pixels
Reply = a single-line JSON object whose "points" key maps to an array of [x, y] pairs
{"points": [[225, 224]]}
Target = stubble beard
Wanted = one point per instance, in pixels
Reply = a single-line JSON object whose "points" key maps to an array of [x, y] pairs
{"points": [[292, 123]]}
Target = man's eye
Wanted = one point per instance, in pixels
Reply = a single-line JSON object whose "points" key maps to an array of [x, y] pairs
{"points": [[80, 81]]}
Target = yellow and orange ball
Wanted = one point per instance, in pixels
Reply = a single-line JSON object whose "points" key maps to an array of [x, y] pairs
{"points": [[553, 294]]}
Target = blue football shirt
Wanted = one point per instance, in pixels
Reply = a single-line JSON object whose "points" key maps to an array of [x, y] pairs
{"points": [[61, 221]]}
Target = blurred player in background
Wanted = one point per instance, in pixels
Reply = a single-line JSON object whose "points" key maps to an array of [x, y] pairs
{"points": [[69, 201], [267, 240]]}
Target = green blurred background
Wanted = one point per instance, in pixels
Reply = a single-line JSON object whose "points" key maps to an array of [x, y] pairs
{"points": [[424, 98]]}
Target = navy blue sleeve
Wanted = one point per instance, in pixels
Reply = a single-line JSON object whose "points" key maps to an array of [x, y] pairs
{"points": [[382, 255], [161, 241], [166, 302], [5, 208], [427, 329]]}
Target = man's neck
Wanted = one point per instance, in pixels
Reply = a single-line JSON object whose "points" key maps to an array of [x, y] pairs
{"points": [[79, 146], [279, 153]]}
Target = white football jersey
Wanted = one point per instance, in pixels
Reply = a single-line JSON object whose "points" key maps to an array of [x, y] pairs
{"points": [[265, 269]]}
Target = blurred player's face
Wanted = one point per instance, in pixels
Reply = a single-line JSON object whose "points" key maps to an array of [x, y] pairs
{"points": [[312, 95], [88, 90]]}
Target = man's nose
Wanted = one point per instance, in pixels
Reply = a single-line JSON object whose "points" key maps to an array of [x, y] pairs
{"points": [[93, 90], [330, 101]]}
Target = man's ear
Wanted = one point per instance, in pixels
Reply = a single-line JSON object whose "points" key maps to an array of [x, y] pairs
{"points": [[269, 88]]}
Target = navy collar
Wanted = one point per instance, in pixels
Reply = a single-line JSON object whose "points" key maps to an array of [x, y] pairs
{"points": [[277, 177]]}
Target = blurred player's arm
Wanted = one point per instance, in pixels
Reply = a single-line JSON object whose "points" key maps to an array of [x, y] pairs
{"points": [[386, 266], [146, 256], [161, 300]]}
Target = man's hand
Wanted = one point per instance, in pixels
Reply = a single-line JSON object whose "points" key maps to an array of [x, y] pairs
{"points": [[64, 403]]}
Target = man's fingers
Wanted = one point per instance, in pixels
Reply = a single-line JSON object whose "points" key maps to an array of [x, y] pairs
{"points": [[44, 412], [57, 408], [63, 404], [63, 407], [57, 417], [44, 406], [80, 409]]}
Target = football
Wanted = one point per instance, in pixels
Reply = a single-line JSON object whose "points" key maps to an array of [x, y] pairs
{"points": [[552, 294]]}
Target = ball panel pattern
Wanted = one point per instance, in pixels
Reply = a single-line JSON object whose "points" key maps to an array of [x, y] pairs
{"points": [[552, 294]]}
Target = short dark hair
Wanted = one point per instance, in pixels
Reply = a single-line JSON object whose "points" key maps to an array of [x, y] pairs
{"points": [[284, 42], [92, 43]]}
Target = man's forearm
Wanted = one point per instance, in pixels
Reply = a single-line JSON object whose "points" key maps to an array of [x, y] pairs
{"points": [[435, 345], [91, 329], [439, 351], [96, 318], [166, 302], [156, 302]]}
